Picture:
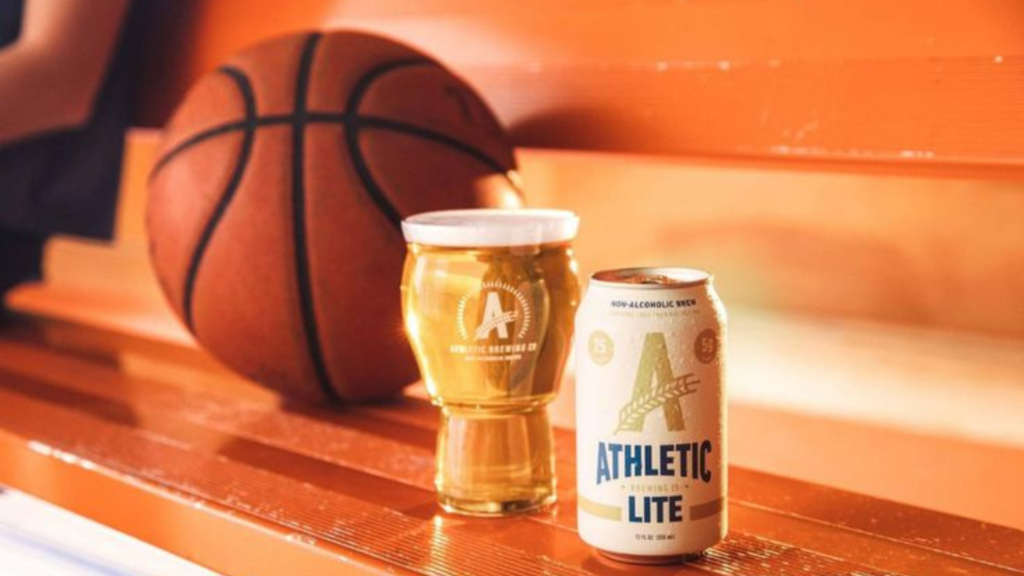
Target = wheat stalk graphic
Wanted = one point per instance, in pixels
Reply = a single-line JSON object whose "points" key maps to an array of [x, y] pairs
{"points": [[632, 415]]}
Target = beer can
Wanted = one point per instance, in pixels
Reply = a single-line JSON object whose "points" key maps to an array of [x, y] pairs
{"points": [[650, 414]]}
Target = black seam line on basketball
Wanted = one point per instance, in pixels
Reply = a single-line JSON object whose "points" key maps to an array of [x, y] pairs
{"points": [[335, 118], [249, 98], [226, 128], [354, 98], [363, 84], [355, 152], [427, 134], [309, 323]]}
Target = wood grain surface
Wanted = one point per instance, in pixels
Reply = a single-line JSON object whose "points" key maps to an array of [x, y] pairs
{"points": [[206, 465]]}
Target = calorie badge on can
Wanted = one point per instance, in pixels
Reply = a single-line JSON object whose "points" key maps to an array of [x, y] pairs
{"points": [[650, 414]]}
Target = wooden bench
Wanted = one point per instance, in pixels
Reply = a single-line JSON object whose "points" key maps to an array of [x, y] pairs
{"points": [[156, 440], [859, 203]]}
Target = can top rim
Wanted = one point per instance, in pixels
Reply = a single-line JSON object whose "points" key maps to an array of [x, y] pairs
{"points": [[653, 277]]}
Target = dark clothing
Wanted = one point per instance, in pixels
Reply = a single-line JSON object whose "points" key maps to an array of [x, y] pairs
{"points": [[21, 255], [66, 181], [63, 181]]}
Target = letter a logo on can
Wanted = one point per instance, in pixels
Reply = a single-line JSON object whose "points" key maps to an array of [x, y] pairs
{"points": [[656, 387]]}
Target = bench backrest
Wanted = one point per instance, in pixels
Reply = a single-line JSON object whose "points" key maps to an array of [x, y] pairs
{"points": [[912, 86]]}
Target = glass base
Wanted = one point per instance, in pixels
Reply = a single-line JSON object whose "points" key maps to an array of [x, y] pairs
{"points": [[495, 463], [493, 509]]}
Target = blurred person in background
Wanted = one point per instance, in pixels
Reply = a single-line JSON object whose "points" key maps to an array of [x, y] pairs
{"points": [[64, 107]]}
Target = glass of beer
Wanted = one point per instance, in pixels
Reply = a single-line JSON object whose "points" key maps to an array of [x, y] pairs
{"points": [[488, 297]]}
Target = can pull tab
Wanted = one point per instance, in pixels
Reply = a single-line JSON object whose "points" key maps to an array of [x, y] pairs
{"points": [[650, 279], [674, 277]]}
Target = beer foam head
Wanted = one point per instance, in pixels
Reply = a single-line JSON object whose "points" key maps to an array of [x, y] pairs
{"points": [[491, 227]]}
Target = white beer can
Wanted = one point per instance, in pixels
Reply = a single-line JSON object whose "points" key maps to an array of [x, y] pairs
{"points": [[650, 414]]}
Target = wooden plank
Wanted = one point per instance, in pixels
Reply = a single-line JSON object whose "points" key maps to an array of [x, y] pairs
{"points": [[346, 459], [943, 253], [928, 530], [882, 385], [307, 512], [72, 545], [942, 472], [387, 534], [192, 528], [300, 473], [910, 87]]}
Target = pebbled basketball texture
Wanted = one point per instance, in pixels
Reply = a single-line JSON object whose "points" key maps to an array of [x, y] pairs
{"points": [[274, 208]]}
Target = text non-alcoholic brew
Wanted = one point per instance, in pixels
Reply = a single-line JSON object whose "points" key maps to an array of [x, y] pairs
{"points": [[650, 414], [488, 298]]}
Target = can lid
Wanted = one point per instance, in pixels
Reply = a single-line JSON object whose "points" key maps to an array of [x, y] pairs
{"points": [[652, 277], [491, 227]]}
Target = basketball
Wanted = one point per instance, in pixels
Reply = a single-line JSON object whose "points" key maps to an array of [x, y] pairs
{"points": [[275, 204]]}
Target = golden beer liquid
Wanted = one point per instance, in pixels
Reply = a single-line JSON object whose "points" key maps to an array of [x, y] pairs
{"points": [[492, 380]]}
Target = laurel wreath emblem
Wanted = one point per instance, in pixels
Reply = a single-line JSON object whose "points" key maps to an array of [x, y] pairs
{"points": [[524, 304]]}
